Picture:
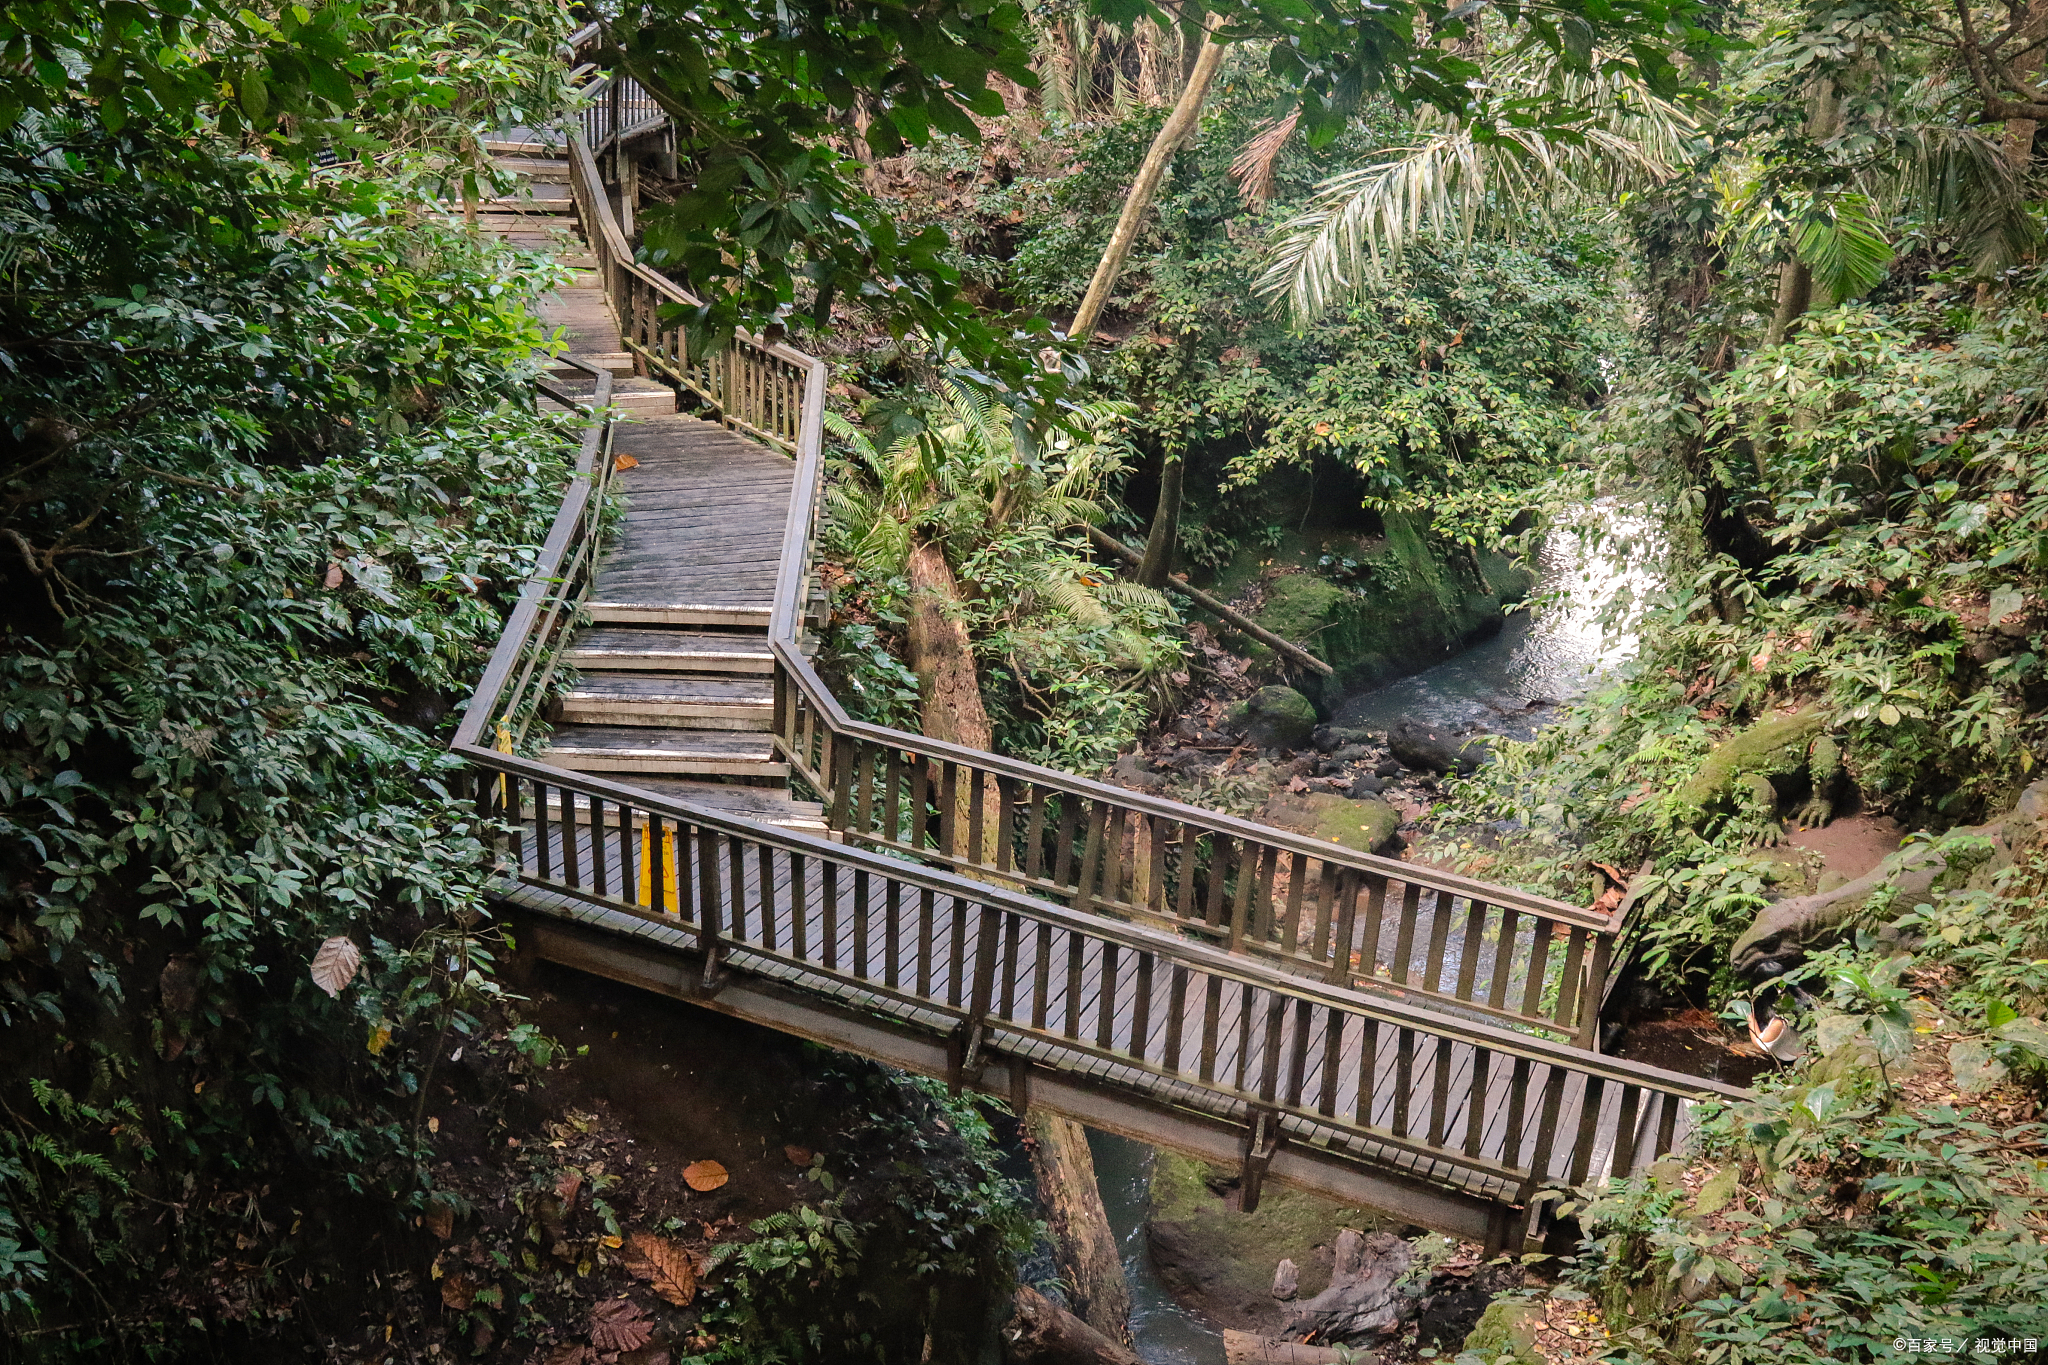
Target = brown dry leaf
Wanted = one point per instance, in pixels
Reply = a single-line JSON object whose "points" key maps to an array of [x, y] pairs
{"points": [[668, 1268], [439, 1220], [457, 1291], [1611, 872], [334, 965], [625, 462], [333, 579], [703, 1176], [618, 1325], [1609, 901], [798, 1156], [571, 1353], [568, 1185]]}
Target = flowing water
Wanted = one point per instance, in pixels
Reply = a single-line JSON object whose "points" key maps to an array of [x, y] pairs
{"points": [[1510, 685], [1163, 1331], [1544, 656]]}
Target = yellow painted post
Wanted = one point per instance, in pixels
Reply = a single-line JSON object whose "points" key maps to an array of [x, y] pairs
{"points": [[668, 849]]}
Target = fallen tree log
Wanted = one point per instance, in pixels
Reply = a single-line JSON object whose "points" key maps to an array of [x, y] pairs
{"points": [[1040, 1332], [1078, 1224], [1249, 1348], [1229, 615]]}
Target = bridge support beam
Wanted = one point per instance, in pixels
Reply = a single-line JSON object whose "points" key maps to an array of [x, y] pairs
{"points": [[938, 1051]]}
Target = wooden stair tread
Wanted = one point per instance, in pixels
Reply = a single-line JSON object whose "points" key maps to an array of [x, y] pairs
{"points": [[671, 649], [658, 687]]}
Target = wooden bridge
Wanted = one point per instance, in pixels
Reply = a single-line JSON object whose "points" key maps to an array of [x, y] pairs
{"points": [[1383, 1033]]}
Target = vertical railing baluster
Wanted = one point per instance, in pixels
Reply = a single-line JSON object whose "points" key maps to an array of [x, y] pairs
{"points": [[1076, 951], [828, 907], [1212, 1013], [1404, 937], [1476, 1102], [1568, 979], [1141, 1007], [572, 874], [598, 871], [1176, 1018], [1105, 997], [1475, 940], [799, 906], [892, 933], [860, 922], [1625, 1132], [1041, 978], [1503, 958], [926, 912], [543, 856]]}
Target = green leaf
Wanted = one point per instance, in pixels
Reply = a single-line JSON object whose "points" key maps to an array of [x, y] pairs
{"points": [[2005, 601], [1888, 714], [1974, 1065], [1998, 1013], [2028, 1033]]}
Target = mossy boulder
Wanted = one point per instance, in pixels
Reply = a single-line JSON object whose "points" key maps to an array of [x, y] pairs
{"points": [[1363, 826], [1220, 1261], [1507, 1327], [1274, 718]]}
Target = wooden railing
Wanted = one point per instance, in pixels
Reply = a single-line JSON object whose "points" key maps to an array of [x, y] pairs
{"points": [[520, 672], [1490, 1111]]}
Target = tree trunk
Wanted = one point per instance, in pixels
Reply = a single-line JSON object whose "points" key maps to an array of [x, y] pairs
{"points": [[1795, 296], [2019, 132], [1165, 532], [1795, 277], [1043, 1333], [1078, 1224], [949, 692], [1179, 124]]}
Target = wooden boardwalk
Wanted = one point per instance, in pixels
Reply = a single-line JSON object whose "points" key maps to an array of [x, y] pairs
{"points": [[1387, 1035]]}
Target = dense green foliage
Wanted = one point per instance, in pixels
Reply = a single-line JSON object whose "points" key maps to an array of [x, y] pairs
{"points": [[265, 505], [905, 1263]]}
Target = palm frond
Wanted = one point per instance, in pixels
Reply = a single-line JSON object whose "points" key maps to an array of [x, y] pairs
{"points": [[1448, 183], [1253, 168]]}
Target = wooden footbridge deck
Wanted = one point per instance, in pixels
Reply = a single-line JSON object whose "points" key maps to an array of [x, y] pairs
{"points": [[1386, 1034]]}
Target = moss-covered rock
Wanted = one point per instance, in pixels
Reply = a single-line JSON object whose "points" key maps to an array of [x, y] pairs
{"points": [[1363, 826], [1507, 1327], [1274, 718], [1220, 1261]]}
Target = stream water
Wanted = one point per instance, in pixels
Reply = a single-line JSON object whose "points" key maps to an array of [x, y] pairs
{"points": [[1510, 685], [1544, 656]]}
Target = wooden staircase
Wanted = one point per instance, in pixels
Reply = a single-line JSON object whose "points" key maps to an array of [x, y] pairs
{"points": [[673, 685]]}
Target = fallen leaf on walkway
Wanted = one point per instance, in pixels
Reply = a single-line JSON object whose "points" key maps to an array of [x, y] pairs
{"points": [[625, 462], [703, 1176], [666, 1267], [568, 1185], [798, 1156], [439, 1220], [457, 1291], [618, 1325]]}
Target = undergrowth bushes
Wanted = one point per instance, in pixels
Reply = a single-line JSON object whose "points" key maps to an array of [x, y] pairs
{"points": [[265, 505]]}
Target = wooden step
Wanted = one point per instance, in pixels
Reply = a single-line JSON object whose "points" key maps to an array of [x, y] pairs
{"points": [[641, 612], [618, 363], [769, 805], [670, 701], [683, 753], [643, 397], [542, 170], [673, 651]]}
